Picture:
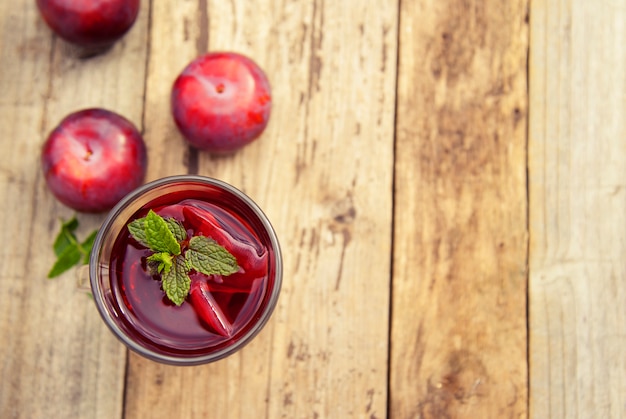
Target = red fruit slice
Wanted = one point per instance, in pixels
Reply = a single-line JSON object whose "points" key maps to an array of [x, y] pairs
{"points": [[227, 285], [248, 258], [207, 309]]}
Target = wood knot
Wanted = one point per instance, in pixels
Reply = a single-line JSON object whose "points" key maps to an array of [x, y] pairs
{"points": [[343, 211], [463, 378]]}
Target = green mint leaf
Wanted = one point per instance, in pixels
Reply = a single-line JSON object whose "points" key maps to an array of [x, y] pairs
{"points": [[207, 257], [176, 282], [162, 261], [66, 236], [66, 260], [177, 229], [87, 246], [158, 235], [138, 231], [68, 250]]}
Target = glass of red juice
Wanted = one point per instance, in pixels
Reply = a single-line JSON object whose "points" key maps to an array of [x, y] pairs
{"points": [[221, 313]]}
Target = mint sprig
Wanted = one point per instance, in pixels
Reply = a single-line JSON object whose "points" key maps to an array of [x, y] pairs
{"points": [[175, 257], [68, 249]]}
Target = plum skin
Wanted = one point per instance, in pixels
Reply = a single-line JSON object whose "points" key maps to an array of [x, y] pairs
{"points": [[89, 23], [92, 159], [221, 102]]}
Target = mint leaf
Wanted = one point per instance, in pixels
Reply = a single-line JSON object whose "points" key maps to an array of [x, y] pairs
{"points": [[138, 231], [158, 235], [66, 237], [66, 260], [67, 248], [162, 261], [207, 257], [177, 229], [176, 282], [87, 246]]}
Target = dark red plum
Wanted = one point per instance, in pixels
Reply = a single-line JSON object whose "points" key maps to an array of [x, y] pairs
{"points": [[92, 159], [92, 24], [221, 101]]}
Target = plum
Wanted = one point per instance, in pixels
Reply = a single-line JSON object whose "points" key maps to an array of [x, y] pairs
{"points": [[221, 101], [91, 24], [92, 159]]}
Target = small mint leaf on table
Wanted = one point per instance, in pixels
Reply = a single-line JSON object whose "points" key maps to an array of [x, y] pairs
{"points": [[68, 250], [176, 282], [207, 257], [87, 245], [65, 237], [70, 257]]}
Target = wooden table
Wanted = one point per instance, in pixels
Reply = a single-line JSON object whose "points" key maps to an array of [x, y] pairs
{"points": [[446, 178]]}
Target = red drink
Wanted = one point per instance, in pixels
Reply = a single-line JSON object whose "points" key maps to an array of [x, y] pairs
{"points": [[220, 314]]}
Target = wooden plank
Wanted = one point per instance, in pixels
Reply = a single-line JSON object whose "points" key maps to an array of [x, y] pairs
{"points": [[60, 360], [459, 273], [577, 162], [20, 121], [322, 172], [175, 28]]}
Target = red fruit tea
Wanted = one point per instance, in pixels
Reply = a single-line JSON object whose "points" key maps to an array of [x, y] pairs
{"points": [[220, 314]]}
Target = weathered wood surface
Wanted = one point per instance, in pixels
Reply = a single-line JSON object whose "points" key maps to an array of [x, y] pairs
{"points": [[323, 174], [577, 167], [394, 169], [458, 335], [57, 359]]}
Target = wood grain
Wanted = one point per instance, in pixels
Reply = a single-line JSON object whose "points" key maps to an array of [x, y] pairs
{"points": [[458, 339], [412, 183], [577, 140], [60, 361], [322, 172]]}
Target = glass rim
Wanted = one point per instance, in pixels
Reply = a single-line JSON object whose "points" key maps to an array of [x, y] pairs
{"points": [[106, 315]]}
